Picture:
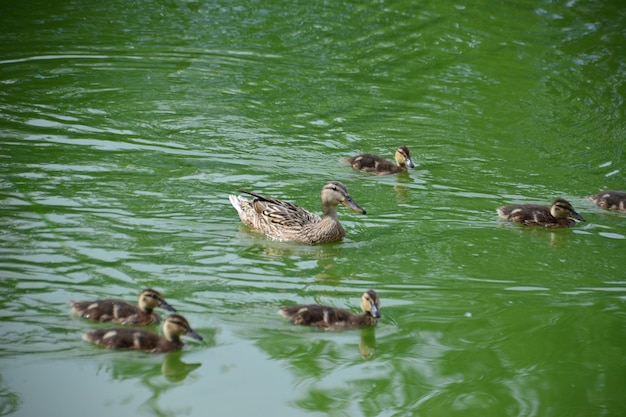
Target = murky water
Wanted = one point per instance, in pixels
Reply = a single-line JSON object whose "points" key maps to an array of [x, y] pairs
{"points": [[125, 125]]}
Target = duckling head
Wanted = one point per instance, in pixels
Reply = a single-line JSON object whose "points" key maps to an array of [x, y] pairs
{"points": [[150, 299], [370, 303], [335, 193], [562, 209], [403, 157], [176, 326]]}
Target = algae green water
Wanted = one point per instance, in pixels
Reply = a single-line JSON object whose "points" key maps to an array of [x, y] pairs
{"points": [[124, 125]]}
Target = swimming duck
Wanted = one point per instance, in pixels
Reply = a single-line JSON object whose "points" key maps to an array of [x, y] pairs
{"points": [[380, 166], [286, 221], [610, 200], [559, 214], [126, 338], [119, 311], [333, 318]]}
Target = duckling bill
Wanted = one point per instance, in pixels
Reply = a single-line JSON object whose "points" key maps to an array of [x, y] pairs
{"points": [[333, 318], [143, 340], [122, 312], [380, 166], [285, 221], [560, 214]]}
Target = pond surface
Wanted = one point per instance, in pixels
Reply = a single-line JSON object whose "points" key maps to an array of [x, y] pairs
{"points": [[125, 125]]}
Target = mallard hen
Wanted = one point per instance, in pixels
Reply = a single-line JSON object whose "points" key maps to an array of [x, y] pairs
{"points": [[610, 200], [559, 214], [286, 221], [380, 166], [119, 311], [127, 338], [333, 318]]}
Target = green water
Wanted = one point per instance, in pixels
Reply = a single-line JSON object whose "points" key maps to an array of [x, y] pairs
{"points": [[124, 125]]}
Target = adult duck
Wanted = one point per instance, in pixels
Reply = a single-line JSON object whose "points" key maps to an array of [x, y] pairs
{"points": [[285, 221]]}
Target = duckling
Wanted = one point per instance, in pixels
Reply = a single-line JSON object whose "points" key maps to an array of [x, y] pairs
{"points": [[333, 318], [174, 327], [610, 200], [119, 311], [379, 166], [285, 221], [559, 214]]}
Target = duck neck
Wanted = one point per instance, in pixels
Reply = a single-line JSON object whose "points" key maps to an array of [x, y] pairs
{"points": [[329, 211]]}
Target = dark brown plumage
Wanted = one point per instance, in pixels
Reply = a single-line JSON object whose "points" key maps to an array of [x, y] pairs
{"points": [[378, 165], [610, 200], [126, 338], [119, 311], [333, 318], [559, 214]]}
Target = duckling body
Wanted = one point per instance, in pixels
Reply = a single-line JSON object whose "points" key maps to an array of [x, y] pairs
{"points": [[333, 318], [119, 311], [174, 327], [560, 214], [610, 200], [285, 221], [378, 165]]}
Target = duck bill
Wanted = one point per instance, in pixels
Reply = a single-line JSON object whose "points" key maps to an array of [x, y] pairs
{"points": [[192, 333], [578, 216], [349, 202], [409, 163], [375, 312], [166, 306]]}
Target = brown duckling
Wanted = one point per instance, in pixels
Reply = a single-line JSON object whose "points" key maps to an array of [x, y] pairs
{"points": [[127, 338], [380, 166], [610, 200], [286, 221], [559, 214], [333, 318], [119, 311]]}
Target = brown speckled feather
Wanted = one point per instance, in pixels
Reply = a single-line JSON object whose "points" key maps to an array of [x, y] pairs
{"points": [[610, 200], [285, 221], [132, 339], [117, 311], [333, 318], [378, 165], [174, 327], [559, 214]]}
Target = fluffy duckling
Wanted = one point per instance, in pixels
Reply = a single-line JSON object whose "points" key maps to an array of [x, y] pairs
{"points": [[119, 311], [610, 200], [285, 221], [559, 214], [174, 327], [379, 166], [333, 318]]}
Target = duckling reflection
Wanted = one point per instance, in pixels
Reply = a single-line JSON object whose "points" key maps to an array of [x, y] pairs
{"points": [[367, 342], [174, 369], [333, 318], [560, 214], [122, 312]]}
